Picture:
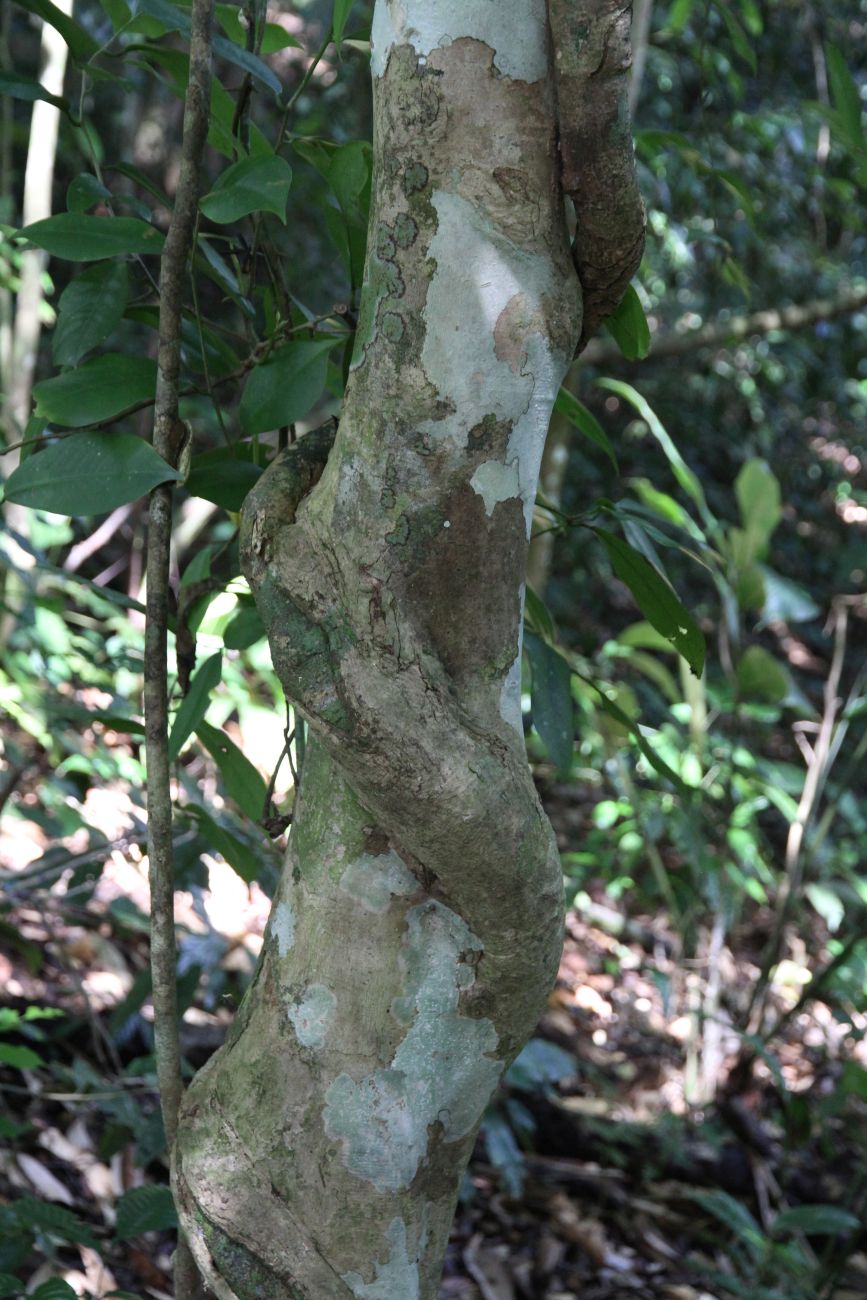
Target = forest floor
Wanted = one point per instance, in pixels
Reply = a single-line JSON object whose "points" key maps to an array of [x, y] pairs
{"points": [[656, 1154]]}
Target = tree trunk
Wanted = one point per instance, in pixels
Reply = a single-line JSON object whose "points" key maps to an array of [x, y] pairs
{"points": [[417, 927]]}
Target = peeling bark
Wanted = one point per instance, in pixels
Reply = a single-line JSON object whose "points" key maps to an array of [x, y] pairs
{"points": [[417, 927]]}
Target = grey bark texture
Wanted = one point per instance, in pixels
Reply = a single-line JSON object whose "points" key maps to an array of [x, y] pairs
{"points": [[417, 927]]}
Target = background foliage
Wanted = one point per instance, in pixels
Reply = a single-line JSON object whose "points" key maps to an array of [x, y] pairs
{"points": [[702, 753]]}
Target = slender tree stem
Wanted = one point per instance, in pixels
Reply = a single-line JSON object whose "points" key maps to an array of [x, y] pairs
{"points": [[169, 437]]}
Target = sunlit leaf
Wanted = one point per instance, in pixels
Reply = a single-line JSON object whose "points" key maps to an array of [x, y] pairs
{"points": [[628, 327], [88, 474], [97, 391], [656, 600], [585, 422]]}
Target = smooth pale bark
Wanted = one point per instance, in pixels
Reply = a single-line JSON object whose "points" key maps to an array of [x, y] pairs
{"points": [[417, 927]]}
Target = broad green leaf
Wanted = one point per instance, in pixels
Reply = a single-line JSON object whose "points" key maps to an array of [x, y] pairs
{"points": [[259, 71], [759, 676], [828, 904], [844, 91], [20, 1058], [145, 1209], [195, 703], [628, 327], [90, 309], [349, 174], [81, 46], [585, 422], [504, 1153], [645, 636], [243, 782], [225, 482], [54, 1219], [684, 475], [342, 10], [9, 1285], [88, 474], [678, 15], [54, 1289], [244, 629], [285, 387], [96, 391], [81, 238], [26, 88], [656, 600], [758, 495], [816, 1220], [551, 700], [85, 191], [537, 616], [238, 854], [252, 185], [540, 1063]]}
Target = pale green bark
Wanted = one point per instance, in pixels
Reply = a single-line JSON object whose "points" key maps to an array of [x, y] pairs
{"points": [[417, 927]]}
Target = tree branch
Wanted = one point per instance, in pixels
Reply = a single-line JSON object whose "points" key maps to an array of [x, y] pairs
{"points": [[681, 339], [168, 440]]}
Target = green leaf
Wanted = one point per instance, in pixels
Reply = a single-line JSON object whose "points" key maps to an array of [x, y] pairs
{"points": [[585, 422], [285, 387], [741, 43], [26, 88], [758, 495], [253, 185], [81, 46], [258, 70], [89, 310], [238, 854], [54, 1289], [342, 9], [85, 191], [145, 1209], [225, 482], [96, 391], [734, 1215], [656, 600], [195, 703], [243, 782], [55, 1220], [634, 730], [20, 1058], [629, 328], [88, 474], [80, 238], [551, 700], [537, 616], [844, 91], [684, 475], [759, 676], [244, 629], [816, 1220], [9, 1285], [786, 601], [678, 15]]}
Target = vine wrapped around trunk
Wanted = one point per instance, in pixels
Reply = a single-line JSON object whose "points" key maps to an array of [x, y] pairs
{"points": [[416, 930]]}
